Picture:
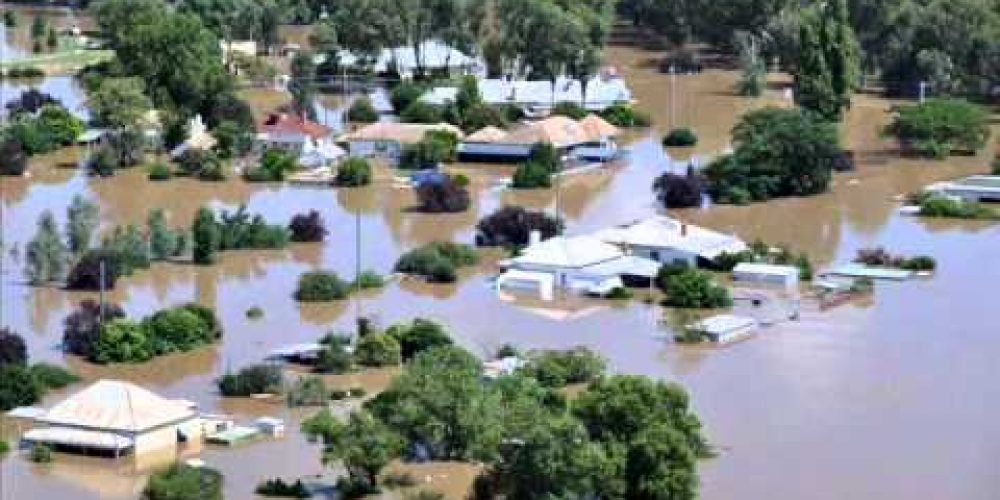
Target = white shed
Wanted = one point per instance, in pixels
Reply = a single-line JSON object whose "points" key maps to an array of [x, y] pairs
{"points": [[767, 274], [725, 328]]}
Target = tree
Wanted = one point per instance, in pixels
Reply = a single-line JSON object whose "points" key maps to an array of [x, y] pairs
{"points": [[206, 235], [12, 348], [679, 191], [377, 350], [828, 62], [321, 286], [939, 126], [250, 380], [82, 218], [692, 289], [118, 103], [302, 87], [308, 227], [561, 368], [164, 242], [233, 139], [129, 247], [13, 159], [362, 111], [418, 336], [184, 482], [123, 341], [444, 195], [18, 387], [82, 328], [177, 330], [354, 172], [659, 463], [779, 152], [364, 445], [30, 102], [87, 272], [512, 226], [46, 253]]}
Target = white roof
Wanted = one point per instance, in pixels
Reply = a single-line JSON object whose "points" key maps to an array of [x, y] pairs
{"points": [[568, 252], [765, 269], [78, 437], [664, 232], [723, 323], [630, 265], [434, 54], [529, 276], [114, 405], [602, 92], [503, 366]]}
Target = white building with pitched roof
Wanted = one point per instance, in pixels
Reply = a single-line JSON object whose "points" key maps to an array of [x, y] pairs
{"points": [[670, 241], [113, 417]]}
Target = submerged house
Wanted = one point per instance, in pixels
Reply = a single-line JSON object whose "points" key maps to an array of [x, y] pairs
{"points": [[536, 97], [591, 138], [198, 139], [114, 418], [310, 141], [434, 56], [578, 264], [387, 139], [669, 241]]}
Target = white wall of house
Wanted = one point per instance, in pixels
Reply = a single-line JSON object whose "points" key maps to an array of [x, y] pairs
{"points": [[388, 149], [164, 438], [665, 255], [486, 149]]}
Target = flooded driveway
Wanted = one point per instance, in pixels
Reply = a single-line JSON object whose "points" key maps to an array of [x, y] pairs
{"points": [[891, 399]]}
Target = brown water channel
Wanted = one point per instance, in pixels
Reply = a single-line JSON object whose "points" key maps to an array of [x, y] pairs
{"points": [[892, 398]]}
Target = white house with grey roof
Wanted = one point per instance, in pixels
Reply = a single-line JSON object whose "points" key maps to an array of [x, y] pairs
{"points": [[670, 241], [537, 96]]}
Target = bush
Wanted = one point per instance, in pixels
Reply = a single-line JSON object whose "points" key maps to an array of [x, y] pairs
{"points": [[779, 152], [692, 289], [177, 330], [531, 175], [920, 263], [279, 488], [480, 115], [561, 368], [81, 329], [253, 379], [623, 115], [377, 350], [274, 166], [207, 315], [405, 94], [393, 480], [334, 359], [436, 147], [25, 72], [321, 286], [159, 172], [356, 392], [354, 172], [942, 206], [442, 196], [13, 158], [308, 391], [185, 482], [369, 280], [362, 111], [204, 165], [41, 453], [511, 226], [569, 110], [437, 261], [233, 139], [421, 112], [679, 191], [307, 228], [879, 257], [52, 376], [619, 293], [255, 313], [680, 138], [418, 336], [12, 348], [239, 231], [937, 127], [18, 387]]}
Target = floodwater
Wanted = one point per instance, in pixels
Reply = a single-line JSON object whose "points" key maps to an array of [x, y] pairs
{"points": [[886, 399]]}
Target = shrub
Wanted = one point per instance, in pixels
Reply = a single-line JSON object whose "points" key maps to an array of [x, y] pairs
{"points": [[81, 329], [444, 195], [368, 280], [531, 175], [123, 341], [253, 379], [177, 329], [86, 273], [357, 392], [881, 258], [479, 115], [207, 315], [279, 488], [159, 172], [692, 289], [354, 172], [52, 376], [679, 191], [418, 336], [405, 94], [307, 228], [622, 115], [181, 481], [779, 152], [104, 162], [233, 139], [942, 206], [436, 147], [619, 293], [362, 111], [239, 231], [274, 166], [13, 158], [334, 359], [41, 453], [680, 138], [377, 350], [561, 368], [255, 312], [18, 387], [308, 391], [12, 348], [321, 286], [569, 110], [437, 261], [393, 480], [206, 233], [421, 112], [511, 226], [937, 127]]}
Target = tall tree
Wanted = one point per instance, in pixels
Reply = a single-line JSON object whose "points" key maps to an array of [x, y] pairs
{"points": [[118, 103], [46, 252], [82, 217]]}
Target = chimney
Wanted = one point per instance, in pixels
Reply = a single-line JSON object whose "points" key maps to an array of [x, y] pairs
{"points": [[534, 237], [684, 229]]}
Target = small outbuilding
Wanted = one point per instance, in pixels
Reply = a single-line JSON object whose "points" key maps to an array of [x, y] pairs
{"points": [[767, 275], [725, 328]]}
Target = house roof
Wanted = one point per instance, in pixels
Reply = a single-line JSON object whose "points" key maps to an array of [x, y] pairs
{"points": [[602, 91], [597, 127], [403, 133], [285, 124], [113, 405], [765, 269], [724, 323], [664, 232], [488, 134], [568, 252]]}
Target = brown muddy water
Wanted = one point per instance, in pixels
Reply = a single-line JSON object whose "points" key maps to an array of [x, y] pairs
{"points": [[887, 399]]}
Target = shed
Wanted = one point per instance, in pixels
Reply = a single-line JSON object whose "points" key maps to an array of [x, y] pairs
{"points": [[270, 426], [767, 274], [725, 328]]}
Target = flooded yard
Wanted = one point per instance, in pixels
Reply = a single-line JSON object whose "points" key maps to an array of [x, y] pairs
{"points": [[888, 399]]}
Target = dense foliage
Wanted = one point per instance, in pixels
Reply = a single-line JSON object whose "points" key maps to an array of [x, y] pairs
{"points": [[277, 487], [938, 127], [437, 262], [622, 115], [82, 328], [377, 350], [418, 336], [444, 195], [828, 60], [561, 368], [354, 172], [20, 384], [946, 207], [434, 148], [12, 348], [320, 286], [689, 288], [362, 111], [779, 152], [511, 226], [184, 482], [680, 138], [878, 256], [679, 191], [307, 227], [233, 231], [537, 172], [250, 380], [275, 165]]}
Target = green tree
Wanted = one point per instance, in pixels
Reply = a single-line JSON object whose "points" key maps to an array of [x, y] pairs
{"points": [[18, 387], [82, 218], [418, 336], [164, 242], [118, 103], [828, 60], [693, 289], [354, 172], [364, 445], [377, 350], [206, 237], [184, 482], [123, 341], [940, 126], [46, 252]]}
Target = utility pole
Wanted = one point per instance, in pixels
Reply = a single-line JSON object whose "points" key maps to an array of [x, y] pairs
{"points": [[923, 91], [357, 269], [101, 285]]}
